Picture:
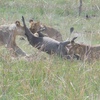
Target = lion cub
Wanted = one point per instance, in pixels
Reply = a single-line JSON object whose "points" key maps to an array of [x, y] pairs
{"points": [[8, 35], [49, 31]]}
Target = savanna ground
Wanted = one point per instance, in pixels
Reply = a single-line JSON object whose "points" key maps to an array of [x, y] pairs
{"points": [[44, 77]]}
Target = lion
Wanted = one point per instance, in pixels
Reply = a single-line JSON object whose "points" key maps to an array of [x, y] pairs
{"points": [[85, 52], [8, 35], [49, 31]]}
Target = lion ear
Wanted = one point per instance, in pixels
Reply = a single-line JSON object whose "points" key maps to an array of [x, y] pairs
{"points": [[31, 20], [17, 23]]}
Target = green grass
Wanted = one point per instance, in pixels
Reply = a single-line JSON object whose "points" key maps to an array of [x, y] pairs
{"points": [[44, 77]]}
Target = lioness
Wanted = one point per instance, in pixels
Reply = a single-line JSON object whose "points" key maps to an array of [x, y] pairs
{"points": [[49, 31], [8, 35], [85, 52]]}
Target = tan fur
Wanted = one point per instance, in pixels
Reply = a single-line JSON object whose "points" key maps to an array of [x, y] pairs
{"points": [[49, 31], [8, 35], [36, 34], [85, 52], [34, 26]]}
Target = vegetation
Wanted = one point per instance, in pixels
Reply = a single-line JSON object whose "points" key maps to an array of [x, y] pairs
{"points": [[44, 77]]}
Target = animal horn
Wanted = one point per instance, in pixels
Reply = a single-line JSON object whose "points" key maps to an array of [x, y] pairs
{"points": [[65, 43], [73, 39], [41, 30]]}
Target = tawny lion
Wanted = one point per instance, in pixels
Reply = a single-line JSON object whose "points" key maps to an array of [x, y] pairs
{"points": [[85, 52], [49, 31], [8, 35]]}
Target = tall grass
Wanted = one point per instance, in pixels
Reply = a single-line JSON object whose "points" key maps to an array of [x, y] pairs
{"points": [[44, 77]]}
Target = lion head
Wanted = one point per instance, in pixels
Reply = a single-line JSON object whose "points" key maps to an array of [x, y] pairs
{"points": [[35, 26], [18, 29]]}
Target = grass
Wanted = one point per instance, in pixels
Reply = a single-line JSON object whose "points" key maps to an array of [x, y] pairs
{"points": [[44, 77]]}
